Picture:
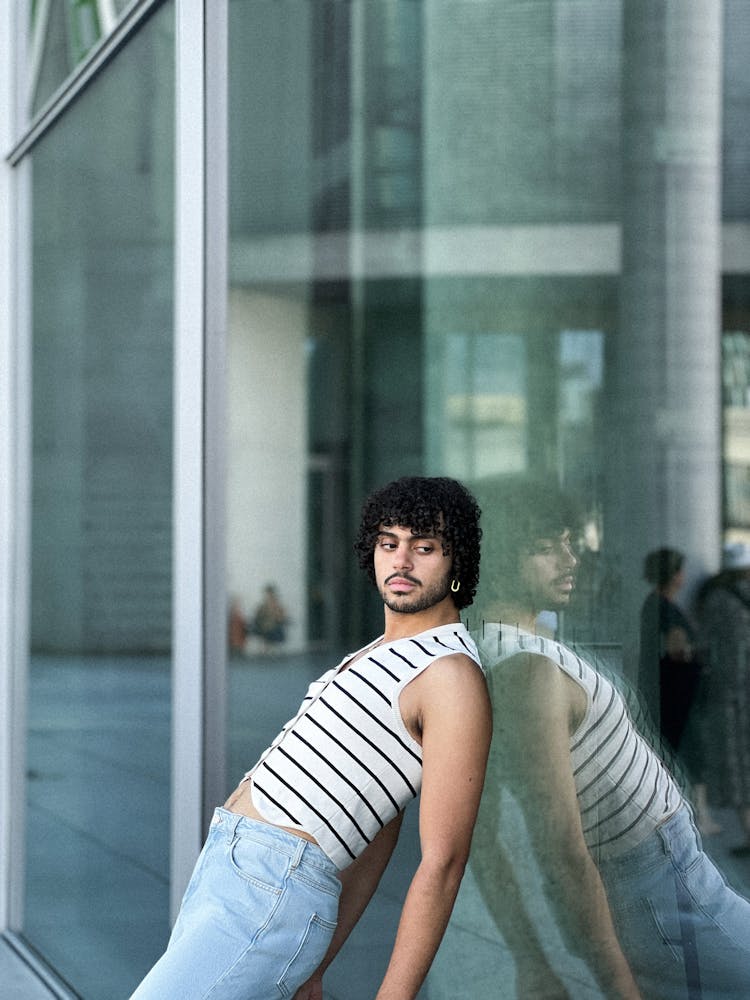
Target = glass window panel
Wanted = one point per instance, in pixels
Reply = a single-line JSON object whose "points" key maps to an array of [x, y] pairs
{"points": [[61, 36], [481, 240], [98, 746]]}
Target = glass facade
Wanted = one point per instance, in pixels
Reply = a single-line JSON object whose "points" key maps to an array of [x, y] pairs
{"points": [[97, 821], [496, 241], [61, 37], [478, 240]]}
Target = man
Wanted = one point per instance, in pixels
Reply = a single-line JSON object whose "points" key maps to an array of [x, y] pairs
{"points": [[632, 892], [319, 814]]}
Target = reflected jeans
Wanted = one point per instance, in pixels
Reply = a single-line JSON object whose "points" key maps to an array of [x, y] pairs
{"points": [[685, 933], [256, 919]]}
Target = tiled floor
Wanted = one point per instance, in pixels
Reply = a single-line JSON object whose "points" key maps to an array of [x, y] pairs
{"points": [[98, 837]]}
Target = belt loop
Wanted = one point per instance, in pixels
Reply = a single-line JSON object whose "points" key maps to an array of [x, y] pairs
{"points": [[664, 837], [299, 850], [232, 825]]}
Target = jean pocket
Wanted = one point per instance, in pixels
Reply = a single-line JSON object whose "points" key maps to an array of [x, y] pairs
{"points": [[668, 929], [259, 865], [308, 955], [648, 932]]}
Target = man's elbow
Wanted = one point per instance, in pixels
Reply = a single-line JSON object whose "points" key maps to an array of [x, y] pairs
{"points": [[445, 867], [567, 870]]}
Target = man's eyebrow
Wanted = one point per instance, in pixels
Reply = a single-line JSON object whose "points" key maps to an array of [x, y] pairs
{"points": [[426, 536]]}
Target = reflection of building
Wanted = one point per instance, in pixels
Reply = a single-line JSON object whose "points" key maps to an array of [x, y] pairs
{"points": [[458, 238], [736, 379]]}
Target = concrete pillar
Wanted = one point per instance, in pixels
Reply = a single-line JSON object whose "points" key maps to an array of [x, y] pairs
{"points": [[664, 400]]}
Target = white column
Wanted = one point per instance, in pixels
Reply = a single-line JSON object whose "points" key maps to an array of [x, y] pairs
{"points": [[664, 401]]}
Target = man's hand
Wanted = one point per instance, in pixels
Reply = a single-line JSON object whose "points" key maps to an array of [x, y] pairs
{"points": [[311, 990]]}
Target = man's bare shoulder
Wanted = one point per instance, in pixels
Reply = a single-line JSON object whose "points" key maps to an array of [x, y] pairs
{"points": [[532, 682], [524, 664], [450, 676]]}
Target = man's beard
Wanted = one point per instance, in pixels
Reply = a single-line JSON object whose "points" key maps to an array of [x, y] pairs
{"points": [[410, 605]]}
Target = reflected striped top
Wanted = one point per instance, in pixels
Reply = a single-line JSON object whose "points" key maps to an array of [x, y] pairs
{"points": [[345, 765], [624, 790]]}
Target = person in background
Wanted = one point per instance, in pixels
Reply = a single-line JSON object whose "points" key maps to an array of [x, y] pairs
{"points": [[724, 623], [667, 650], [270, 619], [297, 851], [621, 862], [671, 673]]}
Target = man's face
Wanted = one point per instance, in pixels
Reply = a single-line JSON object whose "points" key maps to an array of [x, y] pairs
{"points": [[411, 571], [548, 572]]}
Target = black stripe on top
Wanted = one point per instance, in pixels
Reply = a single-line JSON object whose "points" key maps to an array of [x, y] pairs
{"points": [[368, 682], [595, 725], [610, 735], [599, 775], [310, 806], [440, 642], [328, 792], [401, 656], [421, 647], [637, 820], [464, 643], [616, 812], [371, 744], [364, 766], [383, 667], [379, 722], [579, 664], [625, 804], [275, 801], [341, 775]]}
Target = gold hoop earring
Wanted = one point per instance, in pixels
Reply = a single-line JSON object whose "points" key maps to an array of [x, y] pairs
{"points": [[455, 586]]}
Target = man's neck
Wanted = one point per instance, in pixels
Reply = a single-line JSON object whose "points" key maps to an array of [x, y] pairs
{"points": [[401, 625], [521, 616]]}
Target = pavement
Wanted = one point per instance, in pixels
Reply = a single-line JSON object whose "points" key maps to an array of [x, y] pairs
{"points": [[98, 827]]}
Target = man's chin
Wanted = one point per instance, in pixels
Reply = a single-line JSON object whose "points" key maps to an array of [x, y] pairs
{"points": [[408, 605], [404, 606], [560, 601]]}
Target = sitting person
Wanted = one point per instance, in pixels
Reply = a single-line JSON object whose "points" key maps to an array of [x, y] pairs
{"points": [[269, 619]]}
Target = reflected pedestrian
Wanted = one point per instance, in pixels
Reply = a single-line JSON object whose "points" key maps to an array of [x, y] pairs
{"points": [[724, 610], [672, 676]]}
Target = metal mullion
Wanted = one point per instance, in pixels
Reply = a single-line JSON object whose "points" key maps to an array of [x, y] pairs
{"points": [[15, 474], [215, 407], [81, 77], [187, 582]]}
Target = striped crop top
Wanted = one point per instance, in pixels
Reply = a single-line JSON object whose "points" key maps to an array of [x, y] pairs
{"points": [[624, 790], [345, 765]]}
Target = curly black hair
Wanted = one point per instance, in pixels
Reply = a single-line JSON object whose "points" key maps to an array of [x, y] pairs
{"points": [[428, 505], [519, 510]]}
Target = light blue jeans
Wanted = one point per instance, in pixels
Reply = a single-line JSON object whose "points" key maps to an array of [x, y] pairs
{"points": [[685, 933], [256, 919]]}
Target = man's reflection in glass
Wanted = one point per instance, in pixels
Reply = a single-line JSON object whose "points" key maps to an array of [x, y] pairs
{"points": [[620, 858]]}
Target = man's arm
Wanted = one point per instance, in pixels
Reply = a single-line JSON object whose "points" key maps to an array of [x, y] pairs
{"points": [[535, 704], [359, 882], [452, 705], [500, 885]]}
